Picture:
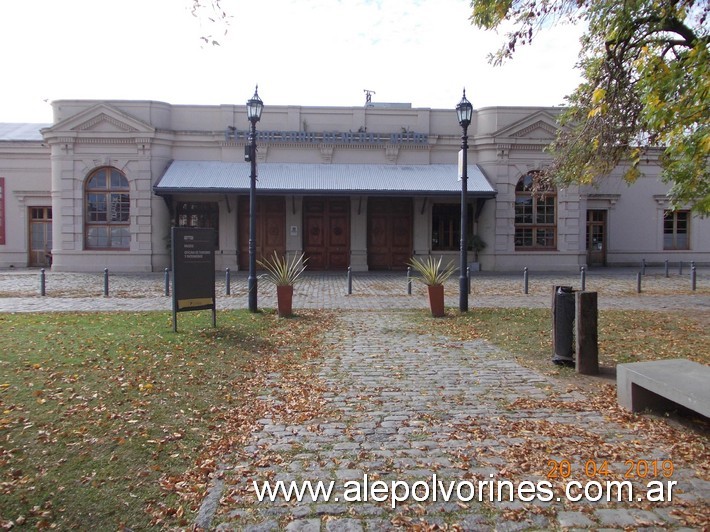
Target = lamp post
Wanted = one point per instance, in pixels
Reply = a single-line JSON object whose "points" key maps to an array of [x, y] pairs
{"points": [[464, 110], [254, 108]]}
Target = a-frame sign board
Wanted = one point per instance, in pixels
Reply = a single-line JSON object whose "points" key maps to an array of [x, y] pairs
{"points": [[193, 271]]}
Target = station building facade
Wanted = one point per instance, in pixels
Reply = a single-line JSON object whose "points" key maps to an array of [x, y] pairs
{"points": [[366, 187]]}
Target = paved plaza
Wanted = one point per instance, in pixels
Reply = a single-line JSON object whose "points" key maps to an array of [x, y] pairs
{"points": [[617, 288], [402, 405]]}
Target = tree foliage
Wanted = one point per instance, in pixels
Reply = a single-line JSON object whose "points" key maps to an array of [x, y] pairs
{"points": [[213, 15], [645, 94]]}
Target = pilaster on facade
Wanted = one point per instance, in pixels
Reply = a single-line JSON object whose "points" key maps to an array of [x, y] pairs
{"points": [[64, 146], [358, 234], [143, 146], [326, 152], [261, 152], [392, 152], [503, 151]]}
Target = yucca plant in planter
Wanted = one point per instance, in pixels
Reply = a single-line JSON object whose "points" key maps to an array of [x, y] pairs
{"points": [[284, 273], [433, 274]]}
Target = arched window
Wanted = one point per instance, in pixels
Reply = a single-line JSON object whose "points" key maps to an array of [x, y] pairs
{"points": [[107, 222], [535, 216]]}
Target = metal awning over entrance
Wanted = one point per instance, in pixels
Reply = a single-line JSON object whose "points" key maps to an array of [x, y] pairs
{"points": [[189, 177]]}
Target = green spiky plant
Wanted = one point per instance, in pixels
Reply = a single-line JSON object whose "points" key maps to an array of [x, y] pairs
{"points": [[283, 271], [432, 272]]}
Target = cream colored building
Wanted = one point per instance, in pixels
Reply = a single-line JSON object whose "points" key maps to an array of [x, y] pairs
{"points": [[366, 187]]}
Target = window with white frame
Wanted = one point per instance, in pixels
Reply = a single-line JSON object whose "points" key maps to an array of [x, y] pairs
{"points": [[107, 200], [535, 214], [676, 226]]}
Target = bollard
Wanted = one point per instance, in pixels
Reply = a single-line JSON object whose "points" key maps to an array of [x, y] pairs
{"points": [[638, 282], [666, 267], [105, 282], [42, 284], [409, 280], [680, 267], [468, 277], [643, 266], [692, 264], [583, 277], [350, 280], [586, 319], [692, 278], [166, 278], [525, 280], [563, 314], [227, 282]]}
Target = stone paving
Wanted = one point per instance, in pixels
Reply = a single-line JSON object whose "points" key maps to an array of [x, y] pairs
{"points": [[403, 406], [20, 291], [400, 405]]}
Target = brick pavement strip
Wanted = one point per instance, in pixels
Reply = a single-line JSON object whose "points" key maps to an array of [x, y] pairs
{"points": [[401, 405]]}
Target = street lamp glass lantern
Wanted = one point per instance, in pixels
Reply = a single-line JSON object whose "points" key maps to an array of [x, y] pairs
{"points": [[254, 107], [464, 110]]}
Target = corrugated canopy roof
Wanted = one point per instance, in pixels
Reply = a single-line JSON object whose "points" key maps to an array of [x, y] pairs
{"points": [[290, 178]]}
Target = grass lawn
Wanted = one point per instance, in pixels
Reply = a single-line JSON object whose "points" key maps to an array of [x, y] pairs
{"points": [[107, 420], [624, 336], [111, 420]]}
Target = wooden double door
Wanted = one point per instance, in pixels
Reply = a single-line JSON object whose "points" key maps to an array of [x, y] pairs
{"points": [[389, 233], [326, 233], [270, 228]]}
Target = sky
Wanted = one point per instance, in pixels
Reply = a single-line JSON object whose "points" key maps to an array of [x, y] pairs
{"points": [[299, 52]]}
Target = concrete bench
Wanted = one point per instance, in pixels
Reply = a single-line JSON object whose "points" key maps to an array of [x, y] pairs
{"points": [[663, 385]]}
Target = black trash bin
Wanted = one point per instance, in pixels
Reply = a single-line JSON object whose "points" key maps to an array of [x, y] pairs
{"points": [[563, 316]]}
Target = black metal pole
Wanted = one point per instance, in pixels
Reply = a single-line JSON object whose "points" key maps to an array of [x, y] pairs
{"points": [[463, 279], [251, 281]]}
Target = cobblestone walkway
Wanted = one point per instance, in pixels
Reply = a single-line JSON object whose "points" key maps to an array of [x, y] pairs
{"points": [[404, 406], [19, 291]]}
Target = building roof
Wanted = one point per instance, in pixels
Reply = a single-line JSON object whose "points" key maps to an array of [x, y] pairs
{"points": [[295, 178], [21, 131]]}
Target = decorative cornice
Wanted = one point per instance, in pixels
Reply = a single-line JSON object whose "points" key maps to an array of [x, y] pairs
{"points": [[502, 150], [103, 117], [547, 128], [529, 147], [609, 198], [105, 141], [22, 195]]}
